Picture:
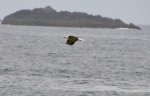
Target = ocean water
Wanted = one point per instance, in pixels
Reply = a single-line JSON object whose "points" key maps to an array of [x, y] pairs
{"points": [[35, 61]]}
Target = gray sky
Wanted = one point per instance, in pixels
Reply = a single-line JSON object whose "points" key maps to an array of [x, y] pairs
{"points": [[135, 11]]}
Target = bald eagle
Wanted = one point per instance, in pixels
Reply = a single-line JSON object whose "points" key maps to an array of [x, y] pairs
{"points": [[72, 39]]}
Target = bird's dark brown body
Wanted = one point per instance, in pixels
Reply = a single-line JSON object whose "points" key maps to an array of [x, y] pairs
{"points": [[71, 40]]}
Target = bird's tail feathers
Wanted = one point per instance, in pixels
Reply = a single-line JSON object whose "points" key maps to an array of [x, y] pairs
{"points": [[80, 39]]}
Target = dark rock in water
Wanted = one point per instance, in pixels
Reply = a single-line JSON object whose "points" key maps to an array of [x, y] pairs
{"points": [[49, 17]]}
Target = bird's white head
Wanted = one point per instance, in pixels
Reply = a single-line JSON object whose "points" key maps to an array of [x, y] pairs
{"points": [[66, 37]]}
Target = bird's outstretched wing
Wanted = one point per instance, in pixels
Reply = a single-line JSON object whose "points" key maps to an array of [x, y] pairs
{"points": [[69, 42]]}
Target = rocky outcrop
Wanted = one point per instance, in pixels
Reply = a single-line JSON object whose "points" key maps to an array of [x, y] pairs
{"points": [[0, 21], [49, 17]]}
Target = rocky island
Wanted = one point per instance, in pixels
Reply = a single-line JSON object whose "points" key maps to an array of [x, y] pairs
{"points": [[49, 17]]}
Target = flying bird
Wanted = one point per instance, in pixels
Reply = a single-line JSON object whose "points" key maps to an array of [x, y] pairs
{"points": [[72, 39]]}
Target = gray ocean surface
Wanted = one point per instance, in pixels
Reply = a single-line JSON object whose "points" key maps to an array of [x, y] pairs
{"points": [[35, 61]]}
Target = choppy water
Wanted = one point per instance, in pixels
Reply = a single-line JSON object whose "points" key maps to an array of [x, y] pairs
{"points": [[35, 61]]}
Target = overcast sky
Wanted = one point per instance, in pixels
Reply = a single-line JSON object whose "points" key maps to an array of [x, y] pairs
{"points": [[135, 11]]}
